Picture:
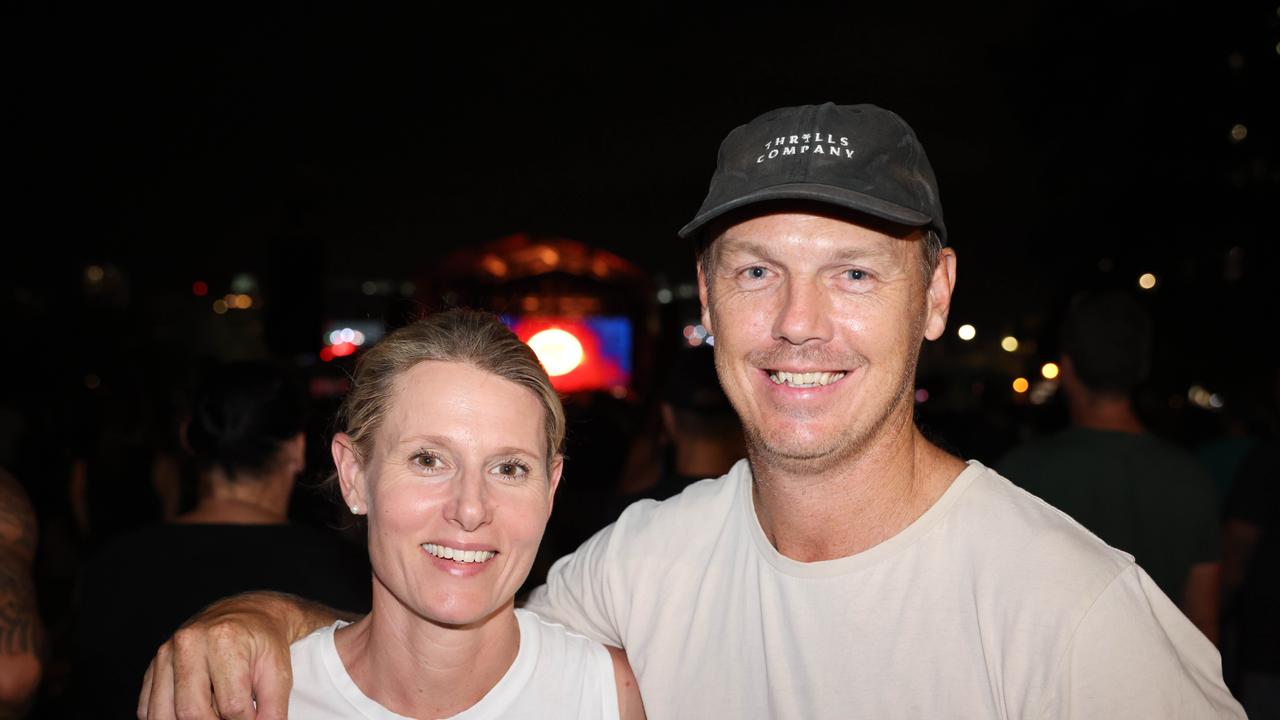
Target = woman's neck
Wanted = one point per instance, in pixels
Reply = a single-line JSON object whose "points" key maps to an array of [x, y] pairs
{"points": [[419, 668]]}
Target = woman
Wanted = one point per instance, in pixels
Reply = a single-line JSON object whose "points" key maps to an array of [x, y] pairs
{"points": [[246, 438], [451, 448]]}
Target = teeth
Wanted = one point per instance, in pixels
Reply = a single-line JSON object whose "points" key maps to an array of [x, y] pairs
{"points": [[462, 556], [804, 380]]}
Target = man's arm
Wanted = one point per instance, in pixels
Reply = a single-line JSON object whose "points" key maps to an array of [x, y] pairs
{"points": [[21, 633], [1201, 597], [235, 653], [578, 593], [1240, 539], [1134, 654]]}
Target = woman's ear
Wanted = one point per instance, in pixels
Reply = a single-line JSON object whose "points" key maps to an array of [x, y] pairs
{"points": [[351, 477], [557, 465]]}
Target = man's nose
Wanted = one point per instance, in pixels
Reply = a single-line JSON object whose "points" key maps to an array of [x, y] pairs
{"points": [[805, 313], [470, 507]]}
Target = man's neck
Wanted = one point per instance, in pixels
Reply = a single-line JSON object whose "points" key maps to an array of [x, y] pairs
{"points": [[244, 500], [835, 509]]}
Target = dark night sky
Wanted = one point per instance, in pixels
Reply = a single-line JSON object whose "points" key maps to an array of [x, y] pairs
{"points": [[350, 143]]}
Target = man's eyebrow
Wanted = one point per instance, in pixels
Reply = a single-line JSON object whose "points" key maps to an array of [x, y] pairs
{"points": [[729, 243], [875, 252]]}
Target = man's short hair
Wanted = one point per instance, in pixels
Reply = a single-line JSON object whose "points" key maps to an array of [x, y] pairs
{"points": [[1107, 336]]}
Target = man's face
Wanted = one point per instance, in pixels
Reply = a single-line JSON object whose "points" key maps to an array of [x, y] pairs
{"points": [[817, 324]]}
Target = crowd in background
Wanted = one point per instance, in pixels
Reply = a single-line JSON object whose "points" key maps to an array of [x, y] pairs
{"points": [[148, 508]]}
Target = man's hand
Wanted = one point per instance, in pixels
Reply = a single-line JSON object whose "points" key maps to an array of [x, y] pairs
{"points": [[230, 661]]}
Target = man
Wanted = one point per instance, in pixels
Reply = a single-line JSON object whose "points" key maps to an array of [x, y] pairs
{"points": [[848, 568], [1135, 491], [1251, 554], [21, 632]]}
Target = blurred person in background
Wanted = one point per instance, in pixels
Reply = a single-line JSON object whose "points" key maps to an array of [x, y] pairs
{"points": [[701, 434], [246, 436], [1251, 575], [1134, 490], [21, 632]]}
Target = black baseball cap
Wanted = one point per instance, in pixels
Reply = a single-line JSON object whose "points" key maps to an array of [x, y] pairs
{"points": [[859, 157]]}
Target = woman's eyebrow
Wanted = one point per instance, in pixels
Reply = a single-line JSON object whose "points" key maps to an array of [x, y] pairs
{"points": [[516, 450], [423, 439]]}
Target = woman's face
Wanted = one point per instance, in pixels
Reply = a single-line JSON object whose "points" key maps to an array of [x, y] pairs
{"points": [[456, 490]]}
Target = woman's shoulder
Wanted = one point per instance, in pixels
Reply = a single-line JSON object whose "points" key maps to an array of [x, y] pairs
{"points": [[561, 669], [550, 639]]}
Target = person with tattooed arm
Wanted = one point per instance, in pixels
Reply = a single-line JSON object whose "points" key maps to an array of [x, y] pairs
{"points": [[21, 633]]}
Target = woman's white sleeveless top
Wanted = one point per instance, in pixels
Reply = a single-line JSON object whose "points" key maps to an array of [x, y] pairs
{"points": [[556, 674]]}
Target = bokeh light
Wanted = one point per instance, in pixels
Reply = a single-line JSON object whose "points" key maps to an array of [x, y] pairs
{"points": [[558, 351]]}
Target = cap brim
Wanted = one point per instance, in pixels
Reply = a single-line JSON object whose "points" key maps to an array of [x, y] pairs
{"points": [[827, 194]]}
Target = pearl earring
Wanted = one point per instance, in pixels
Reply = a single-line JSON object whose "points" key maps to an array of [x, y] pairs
{"points": [[355, 509]]}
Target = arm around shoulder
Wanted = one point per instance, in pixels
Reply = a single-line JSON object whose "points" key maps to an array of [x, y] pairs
{"points": [[630, 706], [579, 593], [232, 653]]}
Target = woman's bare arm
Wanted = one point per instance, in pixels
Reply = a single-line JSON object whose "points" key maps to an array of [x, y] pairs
{"points": [[630, 706]]}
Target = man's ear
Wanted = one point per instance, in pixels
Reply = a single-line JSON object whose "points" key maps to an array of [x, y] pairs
{"points": [[938, 296], [351, 477], [704, 295]]}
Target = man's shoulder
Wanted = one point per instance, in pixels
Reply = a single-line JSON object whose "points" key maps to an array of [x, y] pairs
{"points": [[701, 504], [1009, 530]]}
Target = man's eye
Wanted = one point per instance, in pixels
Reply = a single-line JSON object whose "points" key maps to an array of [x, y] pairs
{"points": [[856, 274], [755, 273], [512, 469]]}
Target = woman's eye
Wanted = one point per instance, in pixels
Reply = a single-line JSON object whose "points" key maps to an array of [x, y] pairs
{"points": [[427, 460], [856, 274]]}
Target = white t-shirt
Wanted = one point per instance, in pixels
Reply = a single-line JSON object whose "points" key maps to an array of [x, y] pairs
{"points": [[990, 605], [556, 674]]}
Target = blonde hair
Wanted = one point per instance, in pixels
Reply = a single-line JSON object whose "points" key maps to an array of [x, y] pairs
{"points": [[475, 338]]}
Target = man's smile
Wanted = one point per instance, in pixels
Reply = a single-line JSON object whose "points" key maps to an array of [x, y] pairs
{"points": [[805, 379]]}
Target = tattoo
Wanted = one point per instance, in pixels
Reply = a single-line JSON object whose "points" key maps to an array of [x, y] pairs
{"points": [[20, 629], [17, 520]]}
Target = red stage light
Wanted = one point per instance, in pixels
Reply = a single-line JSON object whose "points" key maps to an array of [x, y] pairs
{"points": [[200, 288], [593, 371]]}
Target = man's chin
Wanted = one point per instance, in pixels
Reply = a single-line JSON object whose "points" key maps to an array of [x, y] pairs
{"points": [[793, 450]]}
